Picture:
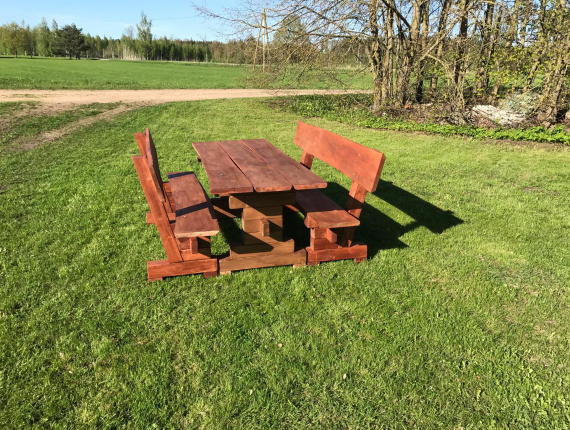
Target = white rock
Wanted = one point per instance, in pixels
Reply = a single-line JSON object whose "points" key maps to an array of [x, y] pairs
{"points": [[502, 117]]}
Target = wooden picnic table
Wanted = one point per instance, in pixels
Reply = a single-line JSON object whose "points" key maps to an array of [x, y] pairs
{"points": [[258, 179]]}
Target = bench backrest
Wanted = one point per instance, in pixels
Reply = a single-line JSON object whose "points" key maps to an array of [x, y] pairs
{"points": [[147, 149], [147, 175], [361, 164]]}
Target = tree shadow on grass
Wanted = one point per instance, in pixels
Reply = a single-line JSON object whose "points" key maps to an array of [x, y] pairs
{"points": [[379, 231]]}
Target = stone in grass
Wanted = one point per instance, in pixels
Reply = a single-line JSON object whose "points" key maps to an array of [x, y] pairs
{"points": [[499, 116]]}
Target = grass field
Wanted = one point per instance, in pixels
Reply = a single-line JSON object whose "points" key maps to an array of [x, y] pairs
{"points": [[459, 319], [62, 73]]}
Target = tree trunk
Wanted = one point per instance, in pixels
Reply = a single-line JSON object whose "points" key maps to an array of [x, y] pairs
{"points": [[410, 48], [481, 79], [554, 82], [387, 60], [459, 67], [374, 53], [424, 13], [440, 28]]}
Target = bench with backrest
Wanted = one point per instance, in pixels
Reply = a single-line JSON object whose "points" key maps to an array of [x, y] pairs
{"points": [[182, 213], [162, 188], [332, 227]]}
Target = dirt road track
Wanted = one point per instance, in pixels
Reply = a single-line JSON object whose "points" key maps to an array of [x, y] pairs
{"points": [[52, 102], [145, 97]]}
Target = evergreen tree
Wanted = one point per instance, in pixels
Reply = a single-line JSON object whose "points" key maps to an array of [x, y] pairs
{"points": [[70, 40]]}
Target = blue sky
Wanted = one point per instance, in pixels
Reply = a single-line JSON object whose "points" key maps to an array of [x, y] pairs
{"points": [[174, 18]]}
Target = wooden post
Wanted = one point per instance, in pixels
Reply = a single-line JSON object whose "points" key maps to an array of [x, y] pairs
{"points": [[257, 43], [265, 38]]}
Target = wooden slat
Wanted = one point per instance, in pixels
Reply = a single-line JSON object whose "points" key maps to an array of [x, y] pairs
{"points": [[322, 212], [228, 264], [262, 212], [223, 175], [150, 219], [163, 268], [298, 175], [141, 142], [262, 175], [194, 212], [254, 225], [356, 252], [159, 215], [152, 161], [269, 248], [358, 162], [258, 200]]}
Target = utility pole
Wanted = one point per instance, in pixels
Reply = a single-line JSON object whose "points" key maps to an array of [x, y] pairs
{"points": [[264, 42], [257, 45], [265, 38]]}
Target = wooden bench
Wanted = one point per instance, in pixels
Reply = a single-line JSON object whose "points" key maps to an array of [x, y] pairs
{"points": [[332, 227], [162, 188], [182, 213]]}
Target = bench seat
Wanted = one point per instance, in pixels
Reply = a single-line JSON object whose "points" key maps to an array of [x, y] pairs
{"points": [[321, 212], [194, 213]]}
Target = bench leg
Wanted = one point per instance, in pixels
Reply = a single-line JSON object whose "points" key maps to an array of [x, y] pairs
{"points": [[356, 252], [157, 270]]}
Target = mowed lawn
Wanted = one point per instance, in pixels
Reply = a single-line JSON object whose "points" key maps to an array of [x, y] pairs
{"points": [[458, 319], [88, 74], [62, 73]]}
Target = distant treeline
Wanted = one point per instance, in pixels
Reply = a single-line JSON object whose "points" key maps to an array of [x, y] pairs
{"points": [[43, 40]]}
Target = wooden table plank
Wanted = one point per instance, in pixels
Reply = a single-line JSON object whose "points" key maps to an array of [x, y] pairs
{"points": [[223, 175], [194, 212], [263, 176], [301, 177]]}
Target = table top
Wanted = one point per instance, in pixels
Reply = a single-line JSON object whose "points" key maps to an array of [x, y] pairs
{"points": [[245, 166]]}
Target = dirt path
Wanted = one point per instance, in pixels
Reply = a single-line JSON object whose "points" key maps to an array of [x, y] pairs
{"points": [[52, 102], [145, 97]]}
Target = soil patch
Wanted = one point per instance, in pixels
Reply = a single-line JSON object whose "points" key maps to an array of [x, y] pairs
{"points": [[152, 97], [50, 102]]}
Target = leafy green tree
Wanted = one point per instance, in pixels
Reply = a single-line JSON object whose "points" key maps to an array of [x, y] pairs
{"points": [[42, 36], [144, 37], [17, 39], [53, 37], [70, 40]]}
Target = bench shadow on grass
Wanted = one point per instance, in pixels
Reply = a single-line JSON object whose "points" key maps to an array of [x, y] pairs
{"points": [[377, 230], [381, 232]]}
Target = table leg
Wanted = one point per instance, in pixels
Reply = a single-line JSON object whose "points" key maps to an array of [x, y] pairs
{"points": [[262, 244]]}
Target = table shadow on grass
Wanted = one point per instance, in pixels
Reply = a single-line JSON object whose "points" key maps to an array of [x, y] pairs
{"points": [[379, 231]]}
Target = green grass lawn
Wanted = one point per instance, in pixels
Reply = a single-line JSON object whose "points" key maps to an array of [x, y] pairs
{"points": [[62, 73], [459, 319]]}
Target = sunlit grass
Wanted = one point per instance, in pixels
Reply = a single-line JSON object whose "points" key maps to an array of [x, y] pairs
{"points": [[62, 73], [459, 319]]}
